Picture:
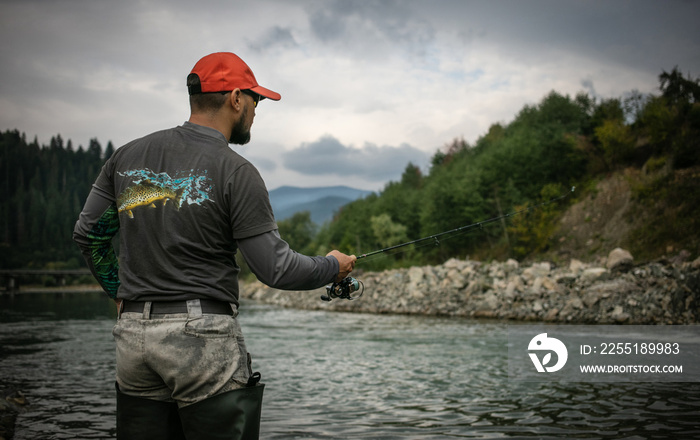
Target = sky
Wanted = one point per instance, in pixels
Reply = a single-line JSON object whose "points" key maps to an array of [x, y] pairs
{"points": [[367, 85]]}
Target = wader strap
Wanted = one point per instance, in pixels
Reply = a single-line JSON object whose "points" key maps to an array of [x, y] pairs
{"points": [[194, 308], [147, 310]]}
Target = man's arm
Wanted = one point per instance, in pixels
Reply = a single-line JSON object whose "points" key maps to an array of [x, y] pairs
{"points": [[276, 265], [97, 225]]}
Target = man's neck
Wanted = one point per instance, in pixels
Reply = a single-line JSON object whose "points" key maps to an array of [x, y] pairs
{"points": [[212, 122]]}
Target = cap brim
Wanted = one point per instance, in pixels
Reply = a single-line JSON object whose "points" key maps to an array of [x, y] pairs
{"points": [[266, 93]]}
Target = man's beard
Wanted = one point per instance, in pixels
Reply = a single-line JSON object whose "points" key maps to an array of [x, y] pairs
{"points": [[239, 134]]}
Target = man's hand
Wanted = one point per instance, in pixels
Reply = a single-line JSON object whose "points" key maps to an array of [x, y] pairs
{"points": [[346, 263]]}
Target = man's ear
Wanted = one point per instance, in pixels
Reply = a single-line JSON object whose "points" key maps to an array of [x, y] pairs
{"points": [[235, 99]]}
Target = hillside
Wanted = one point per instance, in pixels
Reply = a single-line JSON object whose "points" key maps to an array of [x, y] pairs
{"points": [[320, 202], [652, 214]]}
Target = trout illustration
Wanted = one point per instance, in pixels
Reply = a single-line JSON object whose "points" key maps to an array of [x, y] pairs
{"points": [[146, 194]]}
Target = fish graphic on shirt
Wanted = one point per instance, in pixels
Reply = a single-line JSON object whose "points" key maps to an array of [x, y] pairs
{"points": [[146, 194]]}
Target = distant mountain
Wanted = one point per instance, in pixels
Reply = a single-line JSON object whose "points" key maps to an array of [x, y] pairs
{"points": [[321, 202]]}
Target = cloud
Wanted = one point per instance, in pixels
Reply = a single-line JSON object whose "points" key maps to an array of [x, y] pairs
{"points": [[275, 37], [587, 85], [328, 156], [371, 29], [263, 163]]}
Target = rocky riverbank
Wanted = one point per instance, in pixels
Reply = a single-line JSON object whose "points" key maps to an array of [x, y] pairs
{"points": [[611, 291]]}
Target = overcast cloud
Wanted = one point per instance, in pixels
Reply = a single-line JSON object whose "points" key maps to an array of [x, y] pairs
{"points": [[367, 86], [327, 156]]}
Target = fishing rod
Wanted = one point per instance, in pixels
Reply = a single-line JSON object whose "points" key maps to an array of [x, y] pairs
{"points": [[348, 286]]}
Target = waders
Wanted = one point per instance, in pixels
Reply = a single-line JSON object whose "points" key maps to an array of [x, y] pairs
{"points": [[139, 418], [233, 415]]}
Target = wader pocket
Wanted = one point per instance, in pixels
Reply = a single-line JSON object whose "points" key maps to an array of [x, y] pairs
{"points": [[211, 326]]}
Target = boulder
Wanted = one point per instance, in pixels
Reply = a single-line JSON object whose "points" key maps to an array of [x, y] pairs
{"points": [[593, 274], [619, 260], [537, 270], [576, 266], [619, 315]]}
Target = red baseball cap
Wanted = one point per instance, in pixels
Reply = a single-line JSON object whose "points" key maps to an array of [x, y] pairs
{"points": [[225, 71]]}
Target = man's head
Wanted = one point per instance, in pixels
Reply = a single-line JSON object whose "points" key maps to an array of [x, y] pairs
{"points": [[222, 82]]}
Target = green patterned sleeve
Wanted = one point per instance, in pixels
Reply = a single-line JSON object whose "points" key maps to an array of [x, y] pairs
{"points": [[105, 264], [96, 227]]}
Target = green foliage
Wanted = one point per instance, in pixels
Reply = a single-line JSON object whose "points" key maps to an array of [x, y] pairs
{"points": [[401, 201], [657, 119], [537, 148], [616, 140], [386, 232], [655, 164], [298, 231], [532, 232], [607, 110], [451, 198], [679, 90], [672, 121]]}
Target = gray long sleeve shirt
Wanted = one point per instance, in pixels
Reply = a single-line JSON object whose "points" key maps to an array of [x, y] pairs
{"points": [[183, 203]]}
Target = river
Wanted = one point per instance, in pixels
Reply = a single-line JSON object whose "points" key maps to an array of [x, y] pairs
{"points": [[332, 375]]}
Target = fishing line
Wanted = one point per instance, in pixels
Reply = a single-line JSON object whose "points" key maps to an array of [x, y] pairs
{"points": [[351, 288]]}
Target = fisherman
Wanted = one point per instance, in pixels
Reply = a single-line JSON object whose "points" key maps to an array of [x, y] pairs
{"points": [[184, 203]]}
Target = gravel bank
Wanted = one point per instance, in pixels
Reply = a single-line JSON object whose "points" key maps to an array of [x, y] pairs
{"points": [[613, 291]]}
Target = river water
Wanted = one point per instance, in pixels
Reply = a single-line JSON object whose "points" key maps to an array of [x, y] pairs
{"points": [[335, 376]]}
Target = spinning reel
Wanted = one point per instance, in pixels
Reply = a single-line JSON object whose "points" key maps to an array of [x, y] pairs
{"points": [[346, 288]]}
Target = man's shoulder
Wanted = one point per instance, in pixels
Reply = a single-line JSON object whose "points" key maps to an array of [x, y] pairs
{"points": [[149, 138], [184, 142]]}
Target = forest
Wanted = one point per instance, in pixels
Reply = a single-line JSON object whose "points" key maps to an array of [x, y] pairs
{"points": [[559, 143], [42, 192]]}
